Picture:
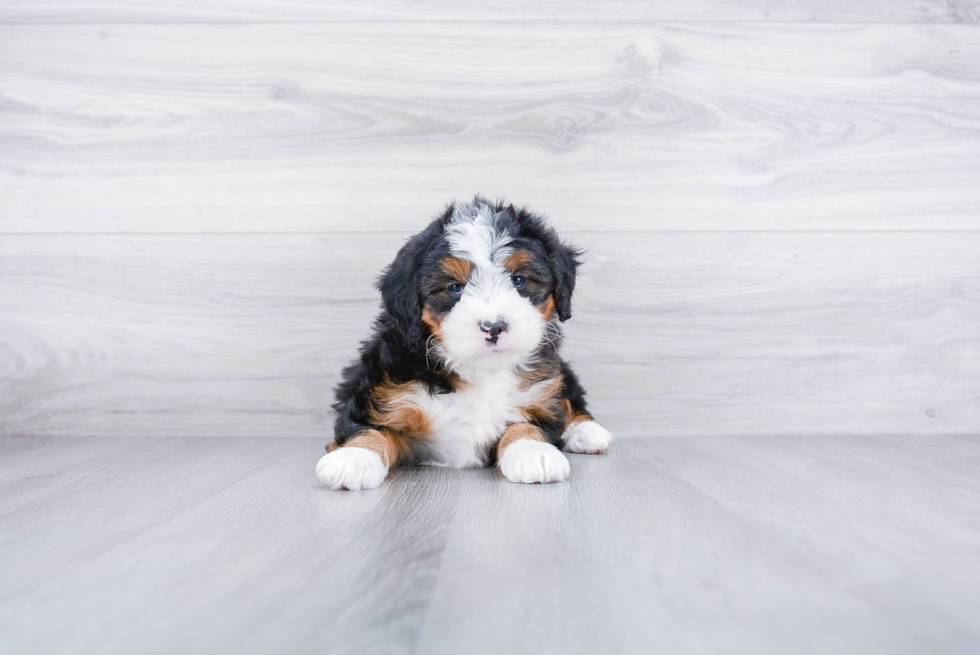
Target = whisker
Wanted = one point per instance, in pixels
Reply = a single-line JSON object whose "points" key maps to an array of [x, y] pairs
{"points": [[551, 334], [429, 348]]}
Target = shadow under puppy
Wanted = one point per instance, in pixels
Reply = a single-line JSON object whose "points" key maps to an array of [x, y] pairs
{"points": [[462, 369]]}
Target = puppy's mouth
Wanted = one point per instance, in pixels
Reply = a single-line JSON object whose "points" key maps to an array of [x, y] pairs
{"points": [[494, 347], [495, 344]]}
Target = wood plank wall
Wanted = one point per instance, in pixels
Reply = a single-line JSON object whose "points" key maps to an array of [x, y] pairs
{"points": [[780, 203]]}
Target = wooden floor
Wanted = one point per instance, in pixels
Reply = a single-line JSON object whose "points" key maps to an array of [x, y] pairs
{"points": [[676, 545]]}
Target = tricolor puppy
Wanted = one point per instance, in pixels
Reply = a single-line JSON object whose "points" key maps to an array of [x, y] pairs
{"points": [[463, 368]]}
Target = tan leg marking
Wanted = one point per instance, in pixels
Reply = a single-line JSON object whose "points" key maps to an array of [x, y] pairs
{"points": [[519, 431], [387, 445], [545, 403], [571, 416], [396, 411]]}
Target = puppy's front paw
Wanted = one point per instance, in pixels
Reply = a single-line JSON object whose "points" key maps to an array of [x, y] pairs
{"points": [[351, 468], [587, 437], [529, 461]]}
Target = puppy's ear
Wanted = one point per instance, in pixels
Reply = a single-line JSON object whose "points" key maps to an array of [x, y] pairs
{"points": [[564, 262], [399, 286]]}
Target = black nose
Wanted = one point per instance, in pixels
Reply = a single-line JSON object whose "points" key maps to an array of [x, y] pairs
{"points": [[493, 328]]}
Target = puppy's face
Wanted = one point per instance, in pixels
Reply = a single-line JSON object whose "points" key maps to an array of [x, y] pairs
{"points": [[492, 282], [488, 303]]}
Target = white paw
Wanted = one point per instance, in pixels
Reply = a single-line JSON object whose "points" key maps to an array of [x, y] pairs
{"points": [[527, 460], [587, 437], [351, 468]]}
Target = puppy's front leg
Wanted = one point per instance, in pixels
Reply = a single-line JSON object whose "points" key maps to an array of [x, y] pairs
{"points": [[361, 463], [524, 455]]}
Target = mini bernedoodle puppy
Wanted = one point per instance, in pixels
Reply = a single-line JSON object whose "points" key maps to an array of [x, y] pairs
{"points": [[462, 368]]}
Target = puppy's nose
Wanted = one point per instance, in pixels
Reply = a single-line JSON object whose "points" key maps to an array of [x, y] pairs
{"points": [[493, 328]]}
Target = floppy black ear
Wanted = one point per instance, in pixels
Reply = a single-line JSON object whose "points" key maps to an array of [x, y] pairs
{"points": [[399, 286], [564, 261]]}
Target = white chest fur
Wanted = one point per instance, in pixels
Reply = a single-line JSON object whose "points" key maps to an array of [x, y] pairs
{"points": [[467, 422]]}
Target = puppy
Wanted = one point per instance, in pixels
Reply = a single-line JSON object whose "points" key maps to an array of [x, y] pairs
{"points": [[462, 368]]}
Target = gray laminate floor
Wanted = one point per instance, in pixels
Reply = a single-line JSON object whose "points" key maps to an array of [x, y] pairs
{"points": [[694, 545]]}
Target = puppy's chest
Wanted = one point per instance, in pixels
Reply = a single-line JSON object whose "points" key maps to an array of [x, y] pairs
{"points": [[467, 422]]}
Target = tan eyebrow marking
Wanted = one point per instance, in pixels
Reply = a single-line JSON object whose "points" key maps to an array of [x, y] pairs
{"points": [[456, 268], [518, 259]]}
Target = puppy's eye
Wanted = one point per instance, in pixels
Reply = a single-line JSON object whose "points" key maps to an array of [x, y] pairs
{"points": [[519, 281], [455, 288]]}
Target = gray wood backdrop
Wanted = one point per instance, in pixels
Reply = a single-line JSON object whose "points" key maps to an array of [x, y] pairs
{"points": [[780, 203]]}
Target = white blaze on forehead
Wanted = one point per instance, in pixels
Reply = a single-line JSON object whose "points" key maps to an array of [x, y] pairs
{"points": [[472, 233]]}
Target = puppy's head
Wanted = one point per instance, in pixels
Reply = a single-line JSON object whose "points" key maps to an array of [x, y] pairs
{"points": [[485, 280]]}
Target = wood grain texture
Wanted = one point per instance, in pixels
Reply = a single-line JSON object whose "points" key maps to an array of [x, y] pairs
{"points": [[693, 546], [34, 520], [845, 11], [349, 581], [672, 333], [722, 545], [374, 126]]}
